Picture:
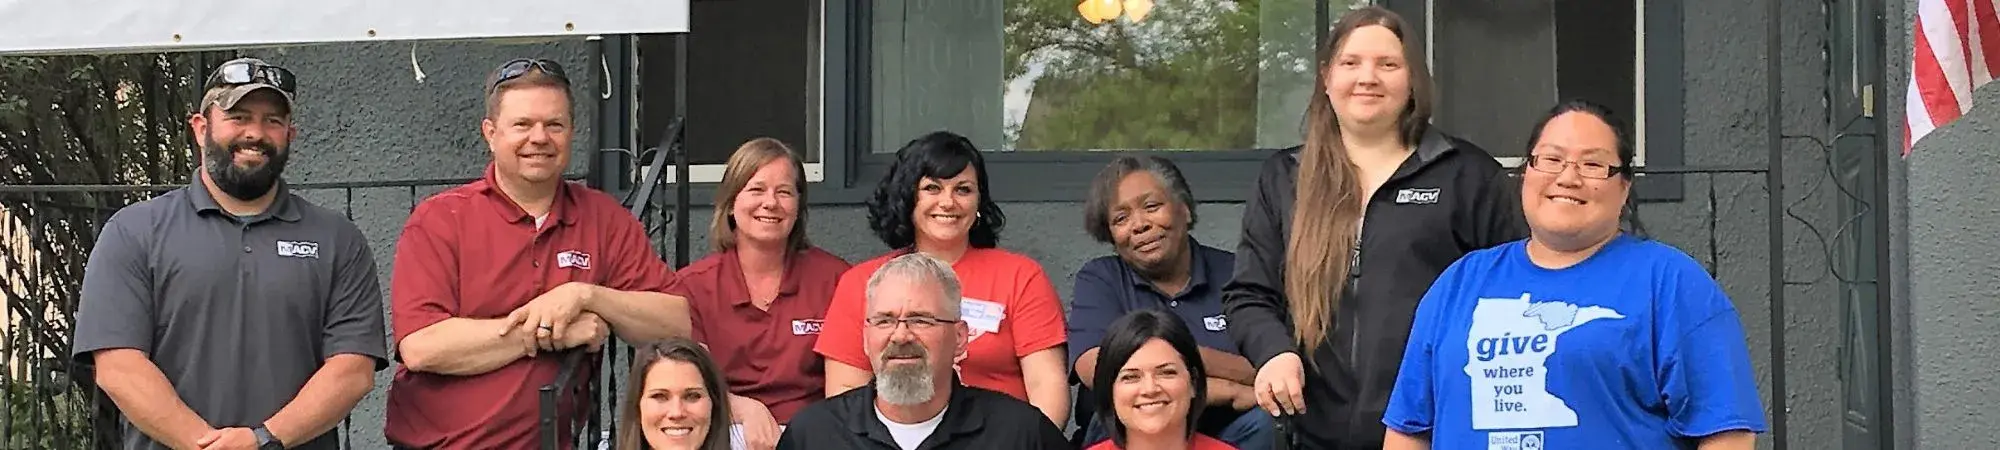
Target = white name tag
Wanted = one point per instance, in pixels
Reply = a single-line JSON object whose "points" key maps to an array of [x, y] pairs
{"points": [[981, 315], [805, 327]]}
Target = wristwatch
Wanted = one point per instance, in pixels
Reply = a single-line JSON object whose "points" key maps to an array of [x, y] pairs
{"points": [[266, 441]]}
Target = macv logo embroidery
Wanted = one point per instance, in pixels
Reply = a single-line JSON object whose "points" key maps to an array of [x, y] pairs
{"points": [[573, 259], [806, 327], [1419, 196], [298, 249]]}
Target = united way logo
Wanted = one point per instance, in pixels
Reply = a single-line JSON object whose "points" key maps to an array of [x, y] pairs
{"points": [[573, 260], [298, 249], [806, 327], [1517, 440]]}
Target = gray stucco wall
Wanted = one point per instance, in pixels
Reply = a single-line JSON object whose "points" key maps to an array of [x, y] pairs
{"points": [[364, 117], [1950, 225]]}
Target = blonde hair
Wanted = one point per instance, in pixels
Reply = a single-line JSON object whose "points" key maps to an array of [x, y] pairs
{"points": [[743, 165], [1319, 251]]}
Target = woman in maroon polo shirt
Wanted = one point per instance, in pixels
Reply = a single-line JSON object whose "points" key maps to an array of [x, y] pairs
{"points": [[757, 300]]}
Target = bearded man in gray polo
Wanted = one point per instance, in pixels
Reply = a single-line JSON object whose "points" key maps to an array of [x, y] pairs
{"points": [[232, 314]]}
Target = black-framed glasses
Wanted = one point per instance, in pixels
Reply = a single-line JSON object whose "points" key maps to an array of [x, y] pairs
{"points": [[914, 322], [1588, 169], [245, 72], [517, 68]]}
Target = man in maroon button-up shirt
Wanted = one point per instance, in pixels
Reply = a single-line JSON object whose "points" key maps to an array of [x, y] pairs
{"points": [[496, 279]]}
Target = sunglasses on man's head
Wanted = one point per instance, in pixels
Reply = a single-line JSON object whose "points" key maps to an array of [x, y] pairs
{"points": [[517, 68], [249, 72]]}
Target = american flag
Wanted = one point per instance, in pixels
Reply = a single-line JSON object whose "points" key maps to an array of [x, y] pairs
{"points": [[1957, 50]]}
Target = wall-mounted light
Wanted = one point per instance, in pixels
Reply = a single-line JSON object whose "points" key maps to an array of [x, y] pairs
{"points": [[1100, 11]]}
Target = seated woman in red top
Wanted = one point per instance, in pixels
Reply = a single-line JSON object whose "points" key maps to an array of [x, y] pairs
{"points": [[757, 299], [1153, 371], [933, 201]]}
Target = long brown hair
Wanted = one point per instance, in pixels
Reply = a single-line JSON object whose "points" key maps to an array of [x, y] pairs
{"points": [[631, 434], [1328, 201], [742, 166]]}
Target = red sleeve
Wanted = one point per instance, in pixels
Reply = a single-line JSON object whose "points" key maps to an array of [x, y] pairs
{"points": [[422, 285], [840, 334], [635, 266], [691, 287], [1036, 322]]}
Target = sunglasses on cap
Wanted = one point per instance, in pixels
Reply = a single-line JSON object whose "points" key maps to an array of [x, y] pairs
{"points": [[517, 68], [250, 72]]}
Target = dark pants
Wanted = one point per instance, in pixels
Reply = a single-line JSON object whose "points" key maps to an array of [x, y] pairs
{"points": [[1250, 431]]}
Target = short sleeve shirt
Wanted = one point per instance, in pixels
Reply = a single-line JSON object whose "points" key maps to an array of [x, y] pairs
{"points": [[237, 312], [1636, 347], [470, 252], [1107, 288], [1009, 305], [765, 354]]}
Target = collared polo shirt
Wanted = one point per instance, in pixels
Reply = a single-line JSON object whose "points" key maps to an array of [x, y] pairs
{"points": [[471, 252], [765, 355], [237, 312], [974, 419], [1107, 288]]}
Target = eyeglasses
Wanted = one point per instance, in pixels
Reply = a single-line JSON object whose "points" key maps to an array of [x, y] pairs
{"points": [[250, 72], [517, 68], [916, 323], [1588, 169]]}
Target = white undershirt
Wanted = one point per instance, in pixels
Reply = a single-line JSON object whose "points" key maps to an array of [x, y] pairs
{"points": [[539, 219], [909, 436]]}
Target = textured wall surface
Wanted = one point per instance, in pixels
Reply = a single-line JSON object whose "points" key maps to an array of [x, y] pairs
{"points": [[1951, 229], [365, 117]]}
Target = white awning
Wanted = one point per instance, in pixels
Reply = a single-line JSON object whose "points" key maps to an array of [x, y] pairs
{"points": [[138, 26]]}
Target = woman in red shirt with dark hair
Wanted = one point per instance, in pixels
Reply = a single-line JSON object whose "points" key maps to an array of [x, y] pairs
{"points": [[756, 301], [934, 200], [1150, 376]]}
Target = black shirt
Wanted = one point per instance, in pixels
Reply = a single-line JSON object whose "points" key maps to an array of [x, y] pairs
{"points": [[1449, 198], [973, 419]]}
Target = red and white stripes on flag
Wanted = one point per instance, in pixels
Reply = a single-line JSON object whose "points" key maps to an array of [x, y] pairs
{"points": [[1957, 50]]}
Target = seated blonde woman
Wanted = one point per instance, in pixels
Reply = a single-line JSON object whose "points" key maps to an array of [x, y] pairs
{"points": [[757, 299], [1148, 368]]}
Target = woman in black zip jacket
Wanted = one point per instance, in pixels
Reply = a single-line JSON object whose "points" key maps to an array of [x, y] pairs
{"points": [[1372, 173]]}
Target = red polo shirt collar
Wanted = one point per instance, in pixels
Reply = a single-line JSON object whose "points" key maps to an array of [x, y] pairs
{"points": [[787, 286], [511, 212]]}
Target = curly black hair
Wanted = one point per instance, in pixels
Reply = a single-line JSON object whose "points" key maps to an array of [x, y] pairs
{"points": [[938, 155]]}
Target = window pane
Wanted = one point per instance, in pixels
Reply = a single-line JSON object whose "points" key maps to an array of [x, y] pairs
{"points": [[1500, 65], [1035, 75], [752, 72]]}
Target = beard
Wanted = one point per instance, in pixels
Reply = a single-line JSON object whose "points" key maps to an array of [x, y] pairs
{"points": [[242, 183], [905, 384]]}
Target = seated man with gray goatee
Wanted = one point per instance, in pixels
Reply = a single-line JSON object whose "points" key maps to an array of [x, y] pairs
{"points": [[913, 335]]}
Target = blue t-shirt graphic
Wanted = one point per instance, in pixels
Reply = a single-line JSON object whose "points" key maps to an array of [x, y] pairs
{"points": [[1633, 348]]}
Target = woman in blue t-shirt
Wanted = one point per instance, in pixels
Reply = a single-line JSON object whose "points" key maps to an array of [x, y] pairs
{"points": [[1581, 336]]}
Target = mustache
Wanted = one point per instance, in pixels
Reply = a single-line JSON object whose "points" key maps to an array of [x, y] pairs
{"points": [[904, 350]]}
